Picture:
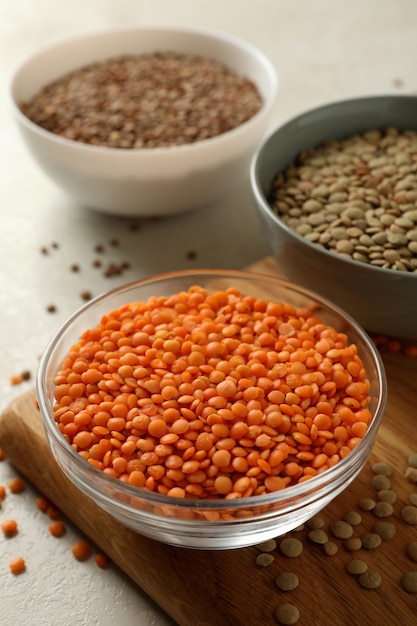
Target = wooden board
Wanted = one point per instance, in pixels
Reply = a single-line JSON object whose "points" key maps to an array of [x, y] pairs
{"points": [[226, 588]]}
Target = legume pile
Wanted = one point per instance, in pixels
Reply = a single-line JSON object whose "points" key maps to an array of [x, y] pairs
{"points": [[356, 197], [212, 395], [152, 100]]}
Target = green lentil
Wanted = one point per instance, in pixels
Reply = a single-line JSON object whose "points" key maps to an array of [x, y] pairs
{"points": [[412, 498], [287, 581], [411, 550], [353, 543], [267, 546], [366, 504], [411, 474], [341, 529], [330, 548], [386, 530], [383, 509], [370, 579], [387, 495], [380, 481], [356, 567], [370, 541], [353, 518], [315, 522], [409, 581], [412, 460], [317, 535], [264, 559], [382, 468], [287, 614], [291, 547], [409, 514]]}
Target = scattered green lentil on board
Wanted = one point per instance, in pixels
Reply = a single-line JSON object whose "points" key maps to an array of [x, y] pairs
{"points": [[287, 614], [409, 581]]}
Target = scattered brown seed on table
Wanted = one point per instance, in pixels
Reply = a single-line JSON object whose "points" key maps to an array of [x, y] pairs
{"points": [[287, 581], [75, 267], [287, 614], [51, 308], [86, 295]]}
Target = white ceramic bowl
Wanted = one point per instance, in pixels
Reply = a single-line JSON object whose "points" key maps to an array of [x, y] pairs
{"points": [[144, 182], [383, 301], [209, 523]]}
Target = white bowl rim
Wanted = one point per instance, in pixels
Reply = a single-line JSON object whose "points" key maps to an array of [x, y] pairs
{"points": [[262, 201], [293, 491], [238, 42]]}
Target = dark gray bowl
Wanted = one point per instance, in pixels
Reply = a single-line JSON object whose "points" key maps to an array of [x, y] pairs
{"points": [[382, 301]]}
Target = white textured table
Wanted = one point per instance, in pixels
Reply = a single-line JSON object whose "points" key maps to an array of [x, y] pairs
{"points": [[323, 50]]}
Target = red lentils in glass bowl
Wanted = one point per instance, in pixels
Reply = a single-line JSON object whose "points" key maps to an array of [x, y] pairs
{"points": [[211, 409], [153, 153]]}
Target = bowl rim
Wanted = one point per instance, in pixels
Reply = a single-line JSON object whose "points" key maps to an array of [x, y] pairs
{"points": [[262, 202], [310, 486], [208, 33]]}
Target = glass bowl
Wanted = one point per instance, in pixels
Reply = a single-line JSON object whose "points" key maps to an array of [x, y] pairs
{"points": [[209, 523]]}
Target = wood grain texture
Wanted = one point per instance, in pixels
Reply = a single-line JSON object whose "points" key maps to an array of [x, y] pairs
{"points": [[226, 588]]}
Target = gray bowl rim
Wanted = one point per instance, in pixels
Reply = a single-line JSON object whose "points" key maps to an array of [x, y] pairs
{"points": [[264, 204]]}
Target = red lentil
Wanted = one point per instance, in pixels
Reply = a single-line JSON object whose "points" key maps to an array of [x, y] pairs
{"points": [[9, 527], [17, 565], [101, 560], [57, 528], [81, 550], [17, 485], [214, 395]]}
